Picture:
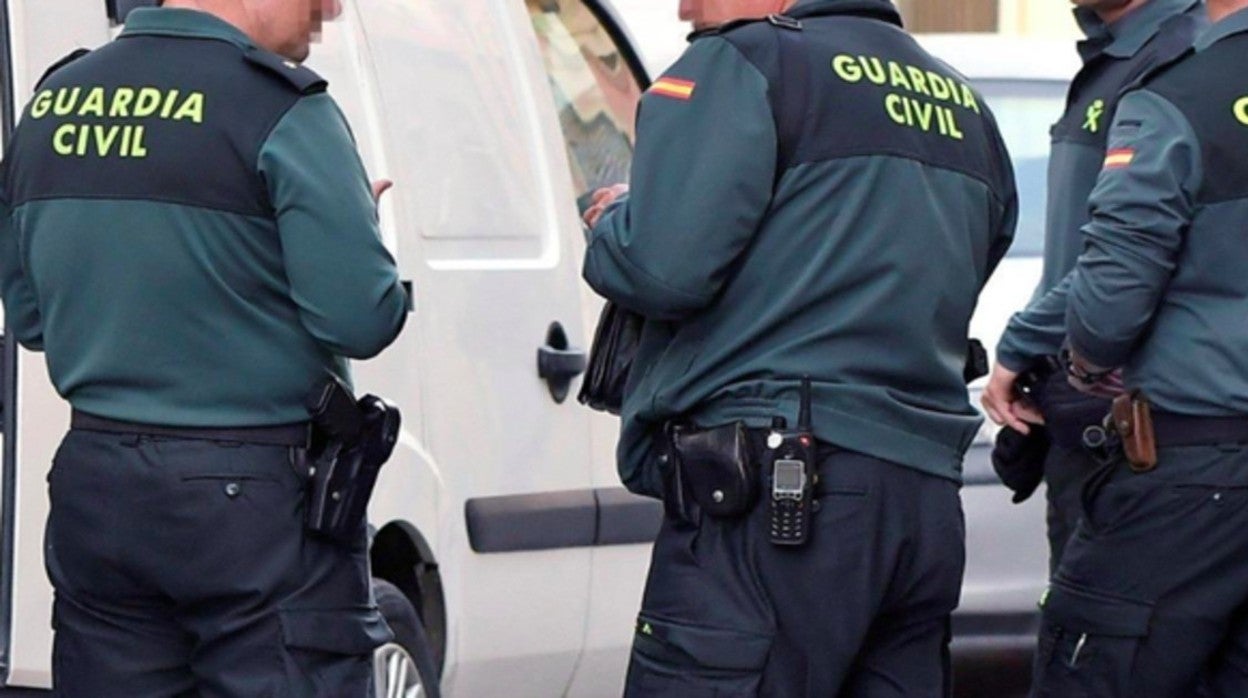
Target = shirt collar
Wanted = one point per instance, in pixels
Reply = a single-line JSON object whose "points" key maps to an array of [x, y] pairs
{"points": [[880, 9], [1125, 38], [883, 10], [1234, 23], [185, 23]]}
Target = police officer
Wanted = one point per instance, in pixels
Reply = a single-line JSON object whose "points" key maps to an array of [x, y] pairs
{"points": [[1151, 590], [1125, 38], [191, 239], [812, 195]]}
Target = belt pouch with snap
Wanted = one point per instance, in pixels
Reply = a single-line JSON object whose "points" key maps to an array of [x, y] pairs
{"points": [[716, 468]]}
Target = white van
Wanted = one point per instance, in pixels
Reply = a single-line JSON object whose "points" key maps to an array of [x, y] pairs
{"points": [[500, 517]]}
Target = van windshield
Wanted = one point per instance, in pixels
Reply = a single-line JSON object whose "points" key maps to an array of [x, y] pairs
{"points": [[594, 90]]}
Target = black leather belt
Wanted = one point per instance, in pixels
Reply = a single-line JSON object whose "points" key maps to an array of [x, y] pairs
{"points": [[1187, 430], [280, 435]]}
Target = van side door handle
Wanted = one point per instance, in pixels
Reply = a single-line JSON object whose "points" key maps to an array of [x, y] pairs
{"points": [[558, 362]]}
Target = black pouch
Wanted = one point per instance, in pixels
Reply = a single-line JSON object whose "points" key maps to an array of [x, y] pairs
{"points": [[678, 505], [611, 359], [715, 468], [1019, 459]]}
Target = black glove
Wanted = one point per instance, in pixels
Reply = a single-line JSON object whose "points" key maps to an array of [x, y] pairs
{"points": [[1019, 460]]}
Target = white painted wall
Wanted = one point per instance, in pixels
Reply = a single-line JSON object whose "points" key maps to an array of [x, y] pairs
{"points": [[661, 35], [656, 29], [1040, 18]]}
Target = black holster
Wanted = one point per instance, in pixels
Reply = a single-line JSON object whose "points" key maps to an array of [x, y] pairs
{"points": [[709, 470], [351, 442]]}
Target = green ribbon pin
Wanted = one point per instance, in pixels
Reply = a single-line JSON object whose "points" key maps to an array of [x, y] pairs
{"points": [[1095, 111]]}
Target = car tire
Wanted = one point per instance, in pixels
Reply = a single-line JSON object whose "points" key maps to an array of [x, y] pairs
{"points": [[403, 667]]}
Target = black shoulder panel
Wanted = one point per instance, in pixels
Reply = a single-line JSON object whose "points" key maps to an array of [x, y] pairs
{"points": [[305, 80], [1172, 44], [1156, 71], [78, 53], [849, 85], [1093, 97], [1211, 90], [153, 118]]}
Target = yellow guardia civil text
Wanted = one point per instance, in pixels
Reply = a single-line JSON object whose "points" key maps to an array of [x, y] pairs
{"points": [[115, 112], [919, 99]]}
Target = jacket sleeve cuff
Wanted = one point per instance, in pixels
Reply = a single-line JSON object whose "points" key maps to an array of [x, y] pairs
{"points": [[1091, 347], [1013, 360]]}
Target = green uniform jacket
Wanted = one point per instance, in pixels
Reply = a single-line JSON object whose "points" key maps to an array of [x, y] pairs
{"points": [[1115, 57], [188, 232], [1161, 287], [848, 245]]}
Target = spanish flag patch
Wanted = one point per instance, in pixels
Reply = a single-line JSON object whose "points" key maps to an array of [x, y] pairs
{"points": [[674, 88], [1119, 158]]}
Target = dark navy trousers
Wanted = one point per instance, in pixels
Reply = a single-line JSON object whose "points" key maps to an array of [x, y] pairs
{"points": [[181, 568], [1065, 471], [1068, 465], [1151, 597], [862, 611]]}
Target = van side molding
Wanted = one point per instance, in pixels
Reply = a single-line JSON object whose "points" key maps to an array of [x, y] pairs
{"points": [[562, 519]]}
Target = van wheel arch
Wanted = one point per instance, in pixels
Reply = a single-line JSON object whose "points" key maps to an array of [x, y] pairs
{"points": [[401, 555]]}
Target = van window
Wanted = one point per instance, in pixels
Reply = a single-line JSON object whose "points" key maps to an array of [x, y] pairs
{"points": [[453, 84], [594, 90]]}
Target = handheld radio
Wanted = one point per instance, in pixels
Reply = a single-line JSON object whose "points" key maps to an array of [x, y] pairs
{"points": [[791, 456]]}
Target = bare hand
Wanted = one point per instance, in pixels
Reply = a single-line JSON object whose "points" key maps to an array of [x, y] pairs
{"points": [[601, 200], [1003, 404], [380, 187]]}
